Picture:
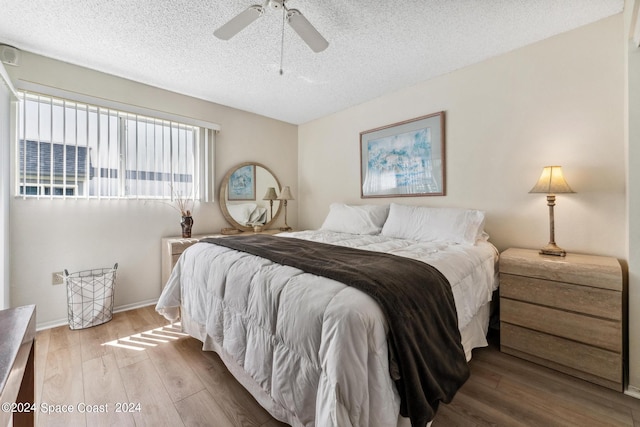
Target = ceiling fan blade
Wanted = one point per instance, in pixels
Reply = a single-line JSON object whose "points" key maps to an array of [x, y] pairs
{"points": [[306, 31], [239, 22]]}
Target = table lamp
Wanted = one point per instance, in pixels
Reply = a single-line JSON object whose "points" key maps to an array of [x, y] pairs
{"points": [[270, 195], [284, 196], [551, 182]]}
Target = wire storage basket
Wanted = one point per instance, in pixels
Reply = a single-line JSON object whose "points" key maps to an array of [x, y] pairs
{"points": [[90, 296]]}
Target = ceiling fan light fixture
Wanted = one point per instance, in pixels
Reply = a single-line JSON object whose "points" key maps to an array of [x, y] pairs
{"points": [[294, 17], [276, 4]]}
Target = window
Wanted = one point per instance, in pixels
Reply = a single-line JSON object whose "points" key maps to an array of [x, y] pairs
{"points": [[73, 149]]}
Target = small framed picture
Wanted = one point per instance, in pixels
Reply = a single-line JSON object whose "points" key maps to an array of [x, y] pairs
{"points": [[242, 184]]}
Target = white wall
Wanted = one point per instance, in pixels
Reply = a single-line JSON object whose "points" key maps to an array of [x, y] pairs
{"points": [[5, 162], [51, 235], [557, 102], [633, 192]]}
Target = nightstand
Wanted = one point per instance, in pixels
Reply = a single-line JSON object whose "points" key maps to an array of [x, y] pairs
{"points": [[566, 313], [172, 248]]}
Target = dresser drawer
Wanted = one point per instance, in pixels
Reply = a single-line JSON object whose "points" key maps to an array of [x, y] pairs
{"points": [[591, 363], [177, 247], [602, 333], [587, 270], [598, 302]]}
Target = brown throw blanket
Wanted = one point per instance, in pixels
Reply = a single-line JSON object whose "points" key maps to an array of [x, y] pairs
{"points": [[415, 297]]}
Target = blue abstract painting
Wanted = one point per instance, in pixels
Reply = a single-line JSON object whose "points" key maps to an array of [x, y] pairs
{"points": [[400, 164], [242, 184]]}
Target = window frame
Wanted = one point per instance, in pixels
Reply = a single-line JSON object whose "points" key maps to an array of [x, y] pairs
{"points": [[203, 155]]}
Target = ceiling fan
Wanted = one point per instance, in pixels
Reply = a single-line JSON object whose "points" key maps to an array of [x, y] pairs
{"points": [[294, 17]]}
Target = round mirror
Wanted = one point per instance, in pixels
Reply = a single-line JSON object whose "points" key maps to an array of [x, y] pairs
{"points": [[248, 196]]}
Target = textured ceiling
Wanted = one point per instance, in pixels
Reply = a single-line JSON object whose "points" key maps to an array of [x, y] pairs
{"points": [[374, 46]]}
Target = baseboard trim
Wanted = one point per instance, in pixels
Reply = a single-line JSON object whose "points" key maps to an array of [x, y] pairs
{"points": [[133, 306], [118, 309], [632, 391]]}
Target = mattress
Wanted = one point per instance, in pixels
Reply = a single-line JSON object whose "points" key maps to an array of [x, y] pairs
{"points": [[311, 350]]}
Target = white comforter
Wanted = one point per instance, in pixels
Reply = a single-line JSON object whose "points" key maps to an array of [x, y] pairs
{"points": [[312, 350]]}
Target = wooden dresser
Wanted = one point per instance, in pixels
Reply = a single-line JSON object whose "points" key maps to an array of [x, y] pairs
{"points": [[566, 313], [172, 248]]}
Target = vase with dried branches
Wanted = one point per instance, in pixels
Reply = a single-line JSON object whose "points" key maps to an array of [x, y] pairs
{"points": [[186, 223], [184, 205]]}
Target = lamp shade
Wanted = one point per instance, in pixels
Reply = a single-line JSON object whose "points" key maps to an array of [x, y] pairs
{"points": [[285, 194], [270, 194], [551, 182]]}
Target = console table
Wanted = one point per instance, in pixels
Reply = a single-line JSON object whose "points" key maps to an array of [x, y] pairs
{"points": [[172, 248]]}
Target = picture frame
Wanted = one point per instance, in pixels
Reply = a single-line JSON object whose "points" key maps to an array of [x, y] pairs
{"points": [[242, 184], [404, 159]]}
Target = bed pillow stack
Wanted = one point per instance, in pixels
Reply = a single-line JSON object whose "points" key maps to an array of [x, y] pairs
{"points": [[426, 224], [420, 223]]}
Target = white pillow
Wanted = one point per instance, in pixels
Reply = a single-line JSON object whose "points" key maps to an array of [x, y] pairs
{"points": [[464, 226], [241, 212], [257, 215], [355, 219]]}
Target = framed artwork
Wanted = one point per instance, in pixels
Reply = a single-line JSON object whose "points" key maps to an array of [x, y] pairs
{"points": [[404, 159], [242, 184]]}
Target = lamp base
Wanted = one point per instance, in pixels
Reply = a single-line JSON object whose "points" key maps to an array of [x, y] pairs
{"points": [[286, 228], [553, 249]]}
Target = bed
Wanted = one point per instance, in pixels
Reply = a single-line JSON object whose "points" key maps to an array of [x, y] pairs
{"points": [[314, 351]]}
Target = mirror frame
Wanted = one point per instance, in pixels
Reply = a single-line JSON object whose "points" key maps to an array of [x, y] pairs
{"points": [[224, 188]]}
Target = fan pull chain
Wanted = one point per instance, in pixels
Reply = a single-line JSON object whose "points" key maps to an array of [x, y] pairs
{"points": [[284, 11]]}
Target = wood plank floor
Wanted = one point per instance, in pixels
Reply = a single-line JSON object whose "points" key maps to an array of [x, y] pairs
{"points": [[137, 359]]}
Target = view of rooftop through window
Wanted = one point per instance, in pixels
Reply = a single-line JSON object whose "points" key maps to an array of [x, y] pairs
{"points": [[73, 149]]}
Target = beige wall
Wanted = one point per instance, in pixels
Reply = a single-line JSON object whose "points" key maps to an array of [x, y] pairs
{"points": [[51, 235], [6, 100], [633, 192], [557, 102]]}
